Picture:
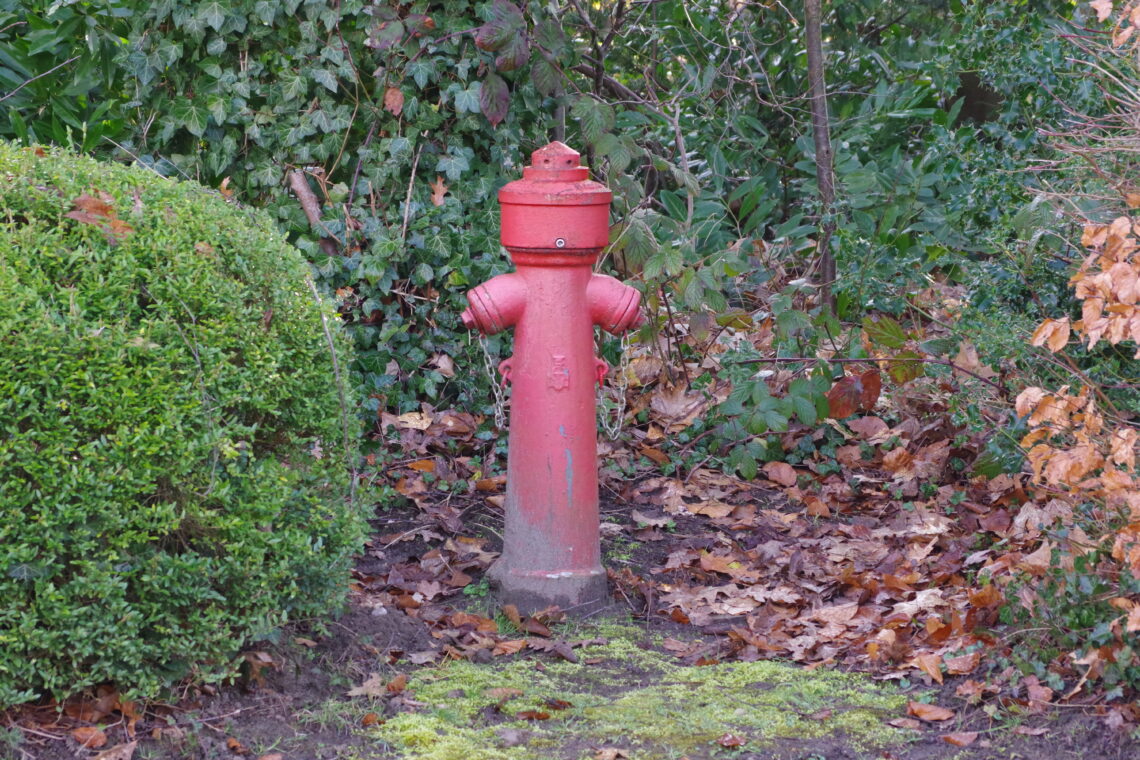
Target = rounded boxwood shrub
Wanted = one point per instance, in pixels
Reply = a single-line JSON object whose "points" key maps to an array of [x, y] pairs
{"points": [[174, 447]]}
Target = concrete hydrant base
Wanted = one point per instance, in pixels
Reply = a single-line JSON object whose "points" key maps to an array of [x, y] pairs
{"points": [[577, 592]]}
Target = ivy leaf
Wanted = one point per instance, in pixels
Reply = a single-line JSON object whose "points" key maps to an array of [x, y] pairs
{"points": [[453, 165], [293, 87], [467, 101], [325, 77], [494, 99], [213, 13], [190, 115], [505, 23]]}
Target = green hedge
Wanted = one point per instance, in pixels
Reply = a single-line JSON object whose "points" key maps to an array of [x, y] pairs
{"points": [[174, 450]]}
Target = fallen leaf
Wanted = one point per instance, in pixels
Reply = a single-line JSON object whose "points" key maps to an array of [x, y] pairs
{"points": [[90, 737], [780, 472], [909, 723], [533, 715], [930, 664], [438, 190], [272, 756], [233, 745], [502, 693], [731, 740], [370, 719], [930, 713], [397, 684], [611, 753], [373, 686], [118, 752], [961, 738], [393, 100]]}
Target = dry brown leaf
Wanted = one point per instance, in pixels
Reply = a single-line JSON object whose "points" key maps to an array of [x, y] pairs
{"points": [[438, 190], [929, 713], [1103, 9], [961, 738], [1052, 332], [373, 686], [930, 664], [118, 752], [512, 646], [90, 737], [963, 664], [370, 719], [393, 101], [780, 472], [502, 693], [611, 753]]}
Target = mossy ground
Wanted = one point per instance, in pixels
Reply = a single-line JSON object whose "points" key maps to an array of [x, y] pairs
{"points": [[628, 695]]}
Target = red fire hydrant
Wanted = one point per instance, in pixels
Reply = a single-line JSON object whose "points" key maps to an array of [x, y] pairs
{"points": [[555, 221]]}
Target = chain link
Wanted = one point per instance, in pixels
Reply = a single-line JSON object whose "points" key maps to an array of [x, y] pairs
{"points": [[611, 400], [498, 385]]}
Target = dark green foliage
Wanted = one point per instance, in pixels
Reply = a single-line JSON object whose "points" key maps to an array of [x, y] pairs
{"points": [[58, 77], [175, 457]]}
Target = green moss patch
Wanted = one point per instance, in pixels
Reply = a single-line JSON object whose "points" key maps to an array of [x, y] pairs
{"points": [[624, 696]]}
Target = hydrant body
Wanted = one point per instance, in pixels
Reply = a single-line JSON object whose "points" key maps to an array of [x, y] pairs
{"points": [[554, 223]]}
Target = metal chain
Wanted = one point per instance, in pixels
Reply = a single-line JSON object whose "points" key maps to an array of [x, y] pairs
{"points": [[611, 411], [498, 386]]}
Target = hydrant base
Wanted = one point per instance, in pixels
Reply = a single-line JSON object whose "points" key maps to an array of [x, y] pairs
{"points": [[577, 592]]}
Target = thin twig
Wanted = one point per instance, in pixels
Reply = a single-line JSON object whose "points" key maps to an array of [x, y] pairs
{"points": [[339, 390], [408, 197], [39, 76]]}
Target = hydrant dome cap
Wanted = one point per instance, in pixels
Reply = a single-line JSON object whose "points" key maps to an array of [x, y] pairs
{"points": [[555, 177]]}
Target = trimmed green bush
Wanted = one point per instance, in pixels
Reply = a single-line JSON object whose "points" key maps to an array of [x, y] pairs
{"points": [[174, 448]]}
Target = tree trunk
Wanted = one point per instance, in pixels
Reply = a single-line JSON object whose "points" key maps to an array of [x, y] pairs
{"points": [[821, 132]]}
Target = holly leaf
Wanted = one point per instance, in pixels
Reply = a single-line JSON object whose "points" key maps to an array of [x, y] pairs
{"points": [[494, 99]]}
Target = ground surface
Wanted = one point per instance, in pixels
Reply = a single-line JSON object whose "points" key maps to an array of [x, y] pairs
{"points": [[417, 669]]}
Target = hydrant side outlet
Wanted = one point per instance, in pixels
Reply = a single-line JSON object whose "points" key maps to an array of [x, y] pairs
{"points": [[555, 221]]}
